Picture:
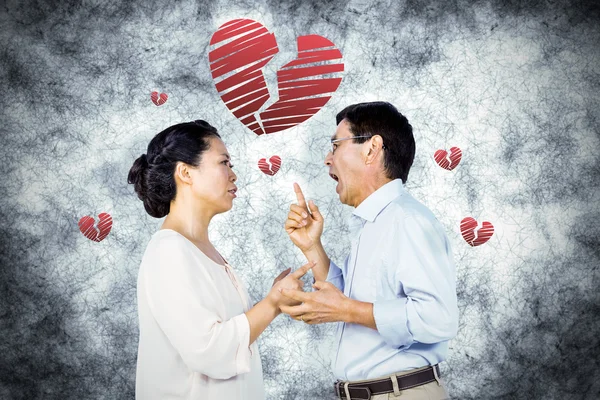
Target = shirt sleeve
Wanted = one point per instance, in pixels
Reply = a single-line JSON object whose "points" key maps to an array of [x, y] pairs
{"points": [[184, 304], [418, 260], [335, 275]]}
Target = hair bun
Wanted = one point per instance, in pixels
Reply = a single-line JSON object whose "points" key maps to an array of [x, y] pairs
{"points": [[152, 174], [136, 176]]}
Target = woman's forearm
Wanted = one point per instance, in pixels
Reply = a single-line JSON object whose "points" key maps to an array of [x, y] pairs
{"points": [[260, 316]]}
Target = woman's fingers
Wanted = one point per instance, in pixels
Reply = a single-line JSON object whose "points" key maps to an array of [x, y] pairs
{"points": [[300, 272], [282, 275]]}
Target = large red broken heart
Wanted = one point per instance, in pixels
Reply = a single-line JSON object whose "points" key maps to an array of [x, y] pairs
{"points": [[97, 234], [270, 167], [242, 47], [476, 237], [159, 98], [449, 163]]}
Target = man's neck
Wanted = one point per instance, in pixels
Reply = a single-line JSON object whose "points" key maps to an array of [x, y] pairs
{"points": [[370, 186]]}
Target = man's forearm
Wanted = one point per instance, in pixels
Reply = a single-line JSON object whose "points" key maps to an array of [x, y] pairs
{"points": [[317, 254], [361, 313]]}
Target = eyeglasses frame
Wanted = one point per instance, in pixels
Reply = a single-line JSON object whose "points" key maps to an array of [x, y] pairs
{"points": [[352, 137]]}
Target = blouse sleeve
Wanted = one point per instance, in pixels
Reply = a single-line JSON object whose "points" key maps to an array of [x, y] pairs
{"points": [[184, 305]]}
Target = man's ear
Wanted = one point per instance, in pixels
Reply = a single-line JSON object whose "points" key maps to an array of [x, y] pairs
{"points": [[183, 173], [376, 144]]}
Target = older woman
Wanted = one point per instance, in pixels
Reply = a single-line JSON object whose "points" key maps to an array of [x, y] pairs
{"points": [[197, 326]]}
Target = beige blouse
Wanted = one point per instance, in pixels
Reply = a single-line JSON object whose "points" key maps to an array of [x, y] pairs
{"points": [[194, 334]]}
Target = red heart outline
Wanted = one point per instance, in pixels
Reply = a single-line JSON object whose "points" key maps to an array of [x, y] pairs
{"points": [[96, 234], [236, 68], [272, 169], [159, 98], [479, 237], [441, 158]]}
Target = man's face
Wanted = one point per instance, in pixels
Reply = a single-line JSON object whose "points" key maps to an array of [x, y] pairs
{"points": [[346, 165]]}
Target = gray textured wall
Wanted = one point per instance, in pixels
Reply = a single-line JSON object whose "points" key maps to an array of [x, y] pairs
{"points": [[515, 86]]}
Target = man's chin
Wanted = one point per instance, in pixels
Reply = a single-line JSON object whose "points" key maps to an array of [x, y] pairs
{"points": [[340, 193]]}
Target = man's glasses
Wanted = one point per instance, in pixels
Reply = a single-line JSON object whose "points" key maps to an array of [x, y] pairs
{"points": [[334, 145]]}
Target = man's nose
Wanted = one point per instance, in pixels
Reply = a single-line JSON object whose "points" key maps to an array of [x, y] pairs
{"points": [[328, 158]]}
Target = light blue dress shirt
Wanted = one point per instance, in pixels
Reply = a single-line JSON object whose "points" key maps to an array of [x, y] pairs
{"points": [[400, 261]]}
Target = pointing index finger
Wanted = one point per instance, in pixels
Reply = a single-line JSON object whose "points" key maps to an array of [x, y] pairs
{"points": [[300, 272], [299, 195]]}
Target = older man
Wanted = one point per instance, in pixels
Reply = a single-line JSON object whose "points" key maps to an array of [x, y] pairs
{"points": [[394, 297]]}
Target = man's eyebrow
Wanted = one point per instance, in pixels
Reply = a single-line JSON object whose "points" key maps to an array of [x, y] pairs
{"points": [[226, 155], [333, 137]]}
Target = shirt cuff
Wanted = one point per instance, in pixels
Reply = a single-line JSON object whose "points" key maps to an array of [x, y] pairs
{"points": [[242, 359], [335, 276], [392, 322]]}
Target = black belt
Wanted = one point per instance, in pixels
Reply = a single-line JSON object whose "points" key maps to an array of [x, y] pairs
{"points": [[366, 390]]}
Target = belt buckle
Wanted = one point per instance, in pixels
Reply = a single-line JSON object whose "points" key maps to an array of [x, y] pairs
{"points": [[365, 389]]}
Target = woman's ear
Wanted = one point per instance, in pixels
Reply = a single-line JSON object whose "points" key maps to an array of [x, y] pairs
{"points": [[183, 173]]}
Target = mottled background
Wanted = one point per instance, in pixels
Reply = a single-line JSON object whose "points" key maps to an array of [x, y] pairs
{"points": [[514, 84]]}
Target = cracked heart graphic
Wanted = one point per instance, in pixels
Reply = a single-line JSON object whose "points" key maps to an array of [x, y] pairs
{"points": [[158, 98], [449, 163], [243, 47], [473, 234], [99, 232], [271, 166]]}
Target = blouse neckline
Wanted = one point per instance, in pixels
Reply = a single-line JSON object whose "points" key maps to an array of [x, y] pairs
{"points": [[196, 247]]}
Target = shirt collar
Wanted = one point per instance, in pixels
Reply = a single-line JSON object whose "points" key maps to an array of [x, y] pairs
{"points": [[370, 208]]}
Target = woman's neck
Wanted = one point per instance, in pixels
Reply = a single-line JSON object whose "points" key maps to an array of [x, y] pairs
{"points": [[190, 222]]}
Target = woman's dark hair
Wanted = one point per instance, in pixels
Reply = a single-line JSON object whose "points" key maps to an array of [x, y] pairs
{"points": [[382, 118], [152, 174]]}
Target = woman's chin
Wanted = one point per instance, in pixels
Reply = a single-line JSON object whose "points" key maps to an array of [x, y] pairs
{"points": [[228, 206]]}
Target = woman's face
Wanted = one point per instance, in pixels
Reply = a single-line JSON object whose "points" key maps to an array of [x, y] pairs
{"points": [[213, 181]]}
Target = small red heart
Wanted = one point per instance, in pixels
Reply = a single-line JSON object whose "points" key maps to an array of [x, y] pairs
{"points": [[272, 169], [243, 47], [159, 98], [96, 234], [472, 237], [441, 158]]}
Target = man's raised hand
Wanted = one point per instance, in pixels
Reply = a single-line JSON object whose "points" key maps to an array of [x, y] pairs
{"points": [[304, 228]]}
